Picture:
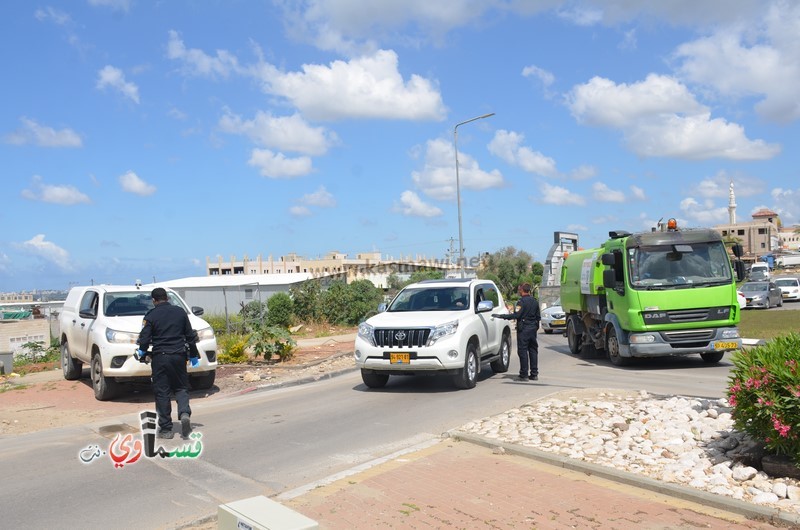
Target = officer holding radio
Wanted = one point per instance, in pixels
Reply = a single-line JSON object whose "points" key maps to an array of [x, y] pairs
{"points": [[167, 329]]}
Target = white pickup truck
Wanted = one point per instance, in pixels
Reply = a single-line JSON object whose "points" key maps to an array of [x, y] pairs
{"points": [[99, 327], [436, 327]]}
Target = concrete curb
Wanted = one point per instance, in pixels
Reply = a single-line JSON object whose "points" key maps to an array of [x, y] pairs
{"points": [[746, 509]]}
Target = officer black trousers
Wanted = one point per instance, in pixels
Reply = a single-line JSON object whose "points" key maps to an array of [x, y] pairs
{"points": [[528, 351], [169, 375]]}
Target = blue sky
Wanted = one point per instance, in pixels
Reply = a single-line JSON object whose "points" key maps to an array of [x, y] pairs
{"points": [[139, 138]]}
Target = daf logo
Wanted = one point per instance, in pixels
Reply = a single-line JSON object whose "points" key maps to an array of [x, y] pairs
{"points": [[400, 335], [651, 316]]}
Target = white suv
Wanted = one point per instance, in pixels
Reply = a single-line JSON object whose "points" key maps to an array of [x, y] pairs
{"points": [[435, 327], [99, 327]]}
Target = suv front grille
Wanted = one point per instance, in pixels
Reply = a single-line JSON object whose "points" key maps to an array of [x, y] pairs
{"points": [[402, 338]]}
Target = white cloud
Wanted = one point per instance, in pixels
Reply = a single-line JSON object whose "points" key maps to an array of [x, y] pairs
{"points": [[638, 193], [300, 211], [545, 78], [364, 87], [786, 205], [718, 186], [411, 205], [116, 5], [506, 145], [277, 165], [705, 213], [285, 133], [132, 183], [437, 179], [583, 172], [33, 132], [761, 58], [197, 62], [603, 193], [48, 251], [64, 195], [659, 117], [52, 14], [321, 198], [113, 77], [550, 194]]}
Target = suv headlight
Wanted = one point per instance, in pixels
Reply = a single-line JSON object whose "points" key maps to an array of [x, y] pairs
{"points": [[205, 333], [367, 332], [442, 331], [121, 337]]}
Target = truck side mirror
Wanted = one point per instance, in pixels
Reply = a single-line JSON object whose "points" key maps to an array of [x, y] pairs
{"points": [[738, 266], [609, 278], [738, 251], [609, 259]]}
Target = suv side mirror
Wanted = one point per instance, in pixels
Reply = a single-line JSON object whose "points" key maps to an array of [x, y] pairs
{"points": [[484, 306], [197, 310], [382, 308]]}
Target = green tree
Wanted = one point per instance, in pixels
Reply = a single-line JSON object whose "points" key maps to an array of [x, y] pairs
{"points": [[364, 298], [280, 310], [306, 298], [333, 303], [509, 267]]}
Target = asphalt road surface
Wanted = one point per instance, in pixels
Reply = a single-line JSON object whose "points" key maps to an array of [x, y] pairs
{"points": [[270, 442]]}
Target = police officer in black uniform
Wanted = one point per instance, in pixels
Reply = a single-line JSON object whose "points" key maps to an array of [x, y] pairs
{"points": [[167, 329], [526, 313]]}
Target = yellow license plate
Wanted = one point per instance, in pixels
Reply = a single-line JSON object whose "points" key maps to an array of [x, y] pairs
{"points": [[558, 322], [399, 358], [725, 345]]}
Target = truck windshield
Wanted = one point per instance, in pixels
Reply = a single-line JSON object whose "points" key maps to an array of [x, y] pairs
{"points": [[133, 303], [428, 299], [679, 265]]}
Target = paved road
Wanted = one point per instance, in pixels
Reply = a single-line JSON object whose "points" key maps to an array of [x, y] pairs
{"points": [[265, 443]]}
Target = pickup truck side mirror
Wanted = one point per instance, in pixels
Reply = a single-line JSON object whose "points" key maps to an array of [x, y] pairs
{"points": [[484, 306], [197, 310], [87, 313]]}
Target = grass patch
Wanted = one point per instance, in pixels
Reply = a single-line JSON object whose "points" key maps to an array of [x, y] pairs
{"points": [[765, 324]]}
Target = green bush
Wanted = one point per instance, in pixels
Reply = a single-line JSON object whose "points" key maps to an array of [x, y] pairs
{"points": [[280, 310], [272, 340], [764, 391], [233, 324], [35, 352], [306, 301], [348, 305], [234, 348]]}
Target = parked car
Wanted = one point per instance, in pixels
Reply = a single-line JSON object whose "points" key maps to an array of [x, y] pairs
{"points": [[99, 327], [762, 294], [553, 318], [790, 288], [436, 327]]}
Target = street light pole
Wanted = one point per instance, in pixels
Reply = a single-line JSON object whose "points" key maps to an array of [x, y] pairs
{"points": [[458, 191]]}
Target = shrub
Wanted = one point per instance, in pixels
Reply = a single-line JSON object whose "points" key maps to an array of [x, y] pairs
{"points": [[35, 352], [272, 340], [764, 391], [306, 300], [254, 311], [279, 310], [233, 324], [234, 348]]}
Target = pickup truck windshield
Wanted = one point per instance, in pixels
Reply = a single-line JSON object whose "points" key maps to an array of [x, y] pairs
{"points": [[679, 266], [133, 303], [428, 299]]}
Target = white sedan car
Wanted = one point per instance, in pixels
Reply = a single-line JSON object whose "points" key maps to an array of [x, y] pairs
{"points": [[790, 288], [553, 319]]}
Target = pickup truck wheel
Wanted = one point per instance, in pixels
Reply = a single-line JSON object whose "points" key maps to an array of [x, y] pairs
{"points": [[612, 347], [500, 366], [72, 368], [711, 357], [203, 381], [373, 380], [573, 339], [469, 374], [104, 387]]}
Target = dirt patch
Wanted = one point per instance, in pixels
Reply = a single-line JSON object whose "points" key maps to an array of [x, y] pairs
{"points": [[44, 399]]}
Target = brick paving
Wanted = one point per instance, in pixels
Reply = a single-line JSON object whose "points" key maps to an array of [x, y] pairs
{"points": [[462, 485]]}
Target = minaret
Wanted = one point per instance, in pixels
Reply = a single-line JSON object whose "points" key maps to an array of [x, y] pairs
{"points": [[731, 206]]}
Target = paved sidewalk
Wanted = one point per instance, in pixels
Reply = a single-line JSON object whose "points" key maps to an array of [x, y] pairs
{"points": [[460, 484]]}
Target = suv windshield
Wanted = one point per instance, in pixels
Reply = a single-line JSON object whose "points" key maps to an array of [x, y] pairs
{"points": [[674, 266], [133, 303], [431, 299]]}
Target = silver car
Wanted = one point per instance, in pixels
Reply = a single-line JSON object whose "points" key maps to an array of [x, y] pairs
{"points": [[553, 319], [762, 294]]}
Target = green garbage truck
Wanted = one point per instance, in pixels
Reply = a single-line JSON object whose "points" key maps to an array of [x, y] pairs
{"points": [[665, 292]]}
